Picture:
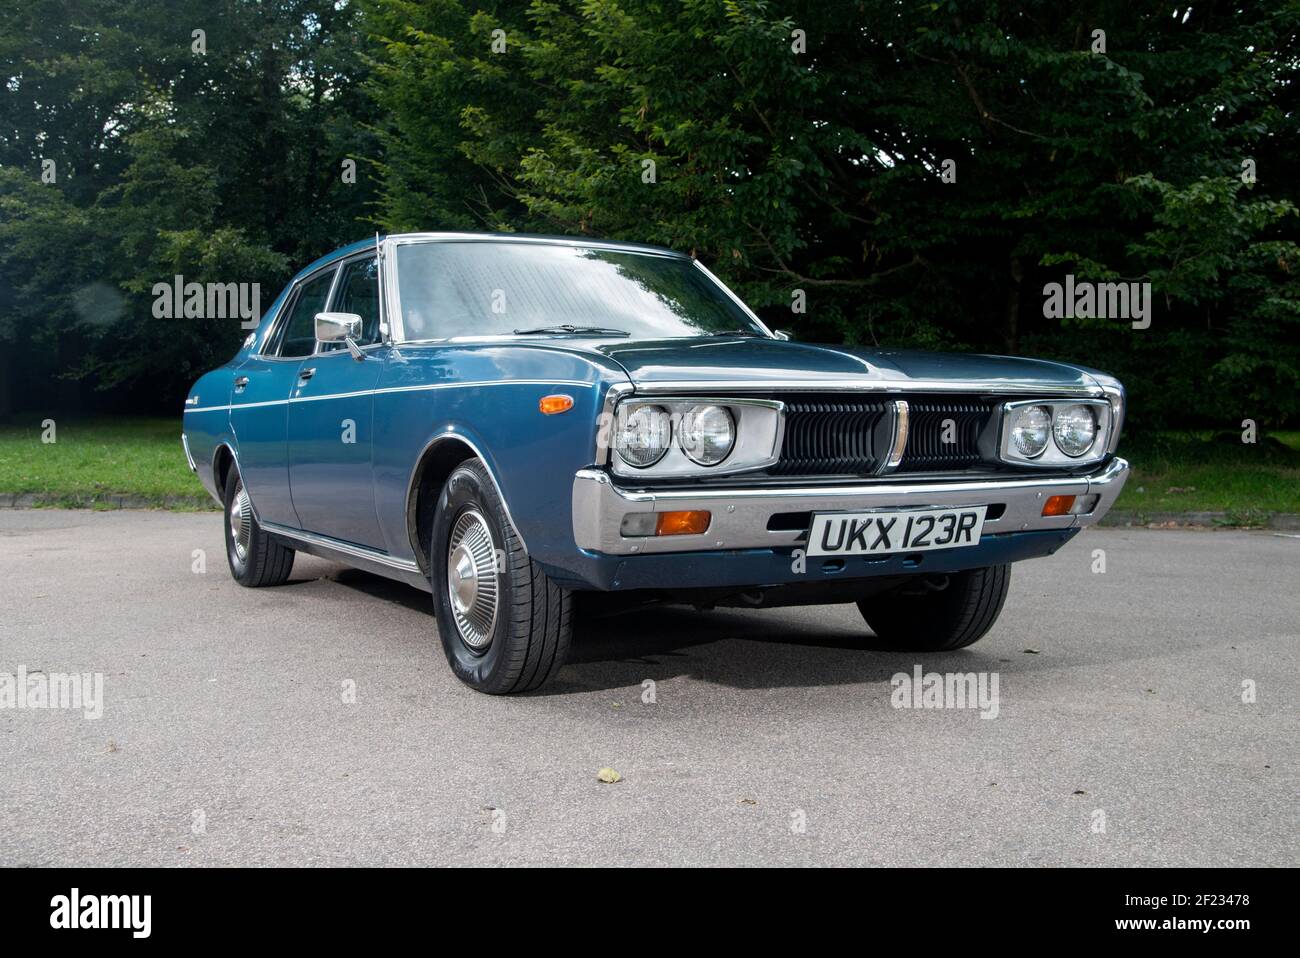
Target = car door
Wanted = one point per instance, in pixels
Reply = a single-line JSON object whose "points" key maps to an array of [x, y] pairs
{"points": [[330, 424], [259, 400]]}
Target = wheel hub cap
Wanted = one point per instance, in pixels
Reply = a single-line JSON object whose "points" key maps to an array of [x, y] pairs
{"points": [[472, 579], [463, 579], [241, 521]]}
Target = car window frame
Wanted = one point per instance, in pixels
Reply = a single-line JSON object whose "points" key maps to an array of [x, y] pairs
{"points": [[390, 296], [290, 303], [330, 303]]}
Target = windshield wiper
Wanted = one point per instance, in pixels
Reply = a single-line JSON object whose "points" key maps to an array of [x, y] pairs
{"points": [[735, 332], [570, 328]]}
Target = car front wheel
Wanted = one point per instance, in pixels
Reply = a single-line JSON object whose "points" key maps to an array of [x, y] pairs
{"points": [[504, 625], [255, 558], [938, 614]]}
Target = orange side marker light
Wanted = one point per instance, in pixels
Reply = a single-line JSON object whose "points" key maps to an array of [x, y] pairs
{"points": [[557, 403]]}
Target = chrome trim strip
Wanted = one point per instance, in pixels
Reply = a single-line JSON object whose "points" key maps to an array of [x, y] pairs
{"points": [[868, 385], [396, 389], [899, 444], [185, 444], [410, 486], [213, 469], [740, 515], [605, 424], [404, 239], [735, 299], [282, 316], [1115, 394], [841, 492], [347, 549], [392, 308]]}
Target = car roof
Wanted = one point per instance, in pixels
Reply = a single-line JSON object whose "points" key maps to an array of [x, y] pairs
{"points": [[465, 237]]}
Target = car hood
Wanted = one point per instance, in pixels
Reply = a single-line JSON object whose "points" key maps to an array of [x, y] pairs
{"points": [[749, 362]]}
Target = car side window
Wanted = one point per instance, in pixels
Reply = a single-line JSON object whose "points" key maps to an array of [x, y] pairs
{"points": [[299, 335], [358, 293]]}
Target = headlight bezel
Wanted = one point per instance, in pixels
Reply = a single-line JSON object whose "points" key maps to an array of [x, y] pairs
{"points": [[1053, 456], [621, 423], [758, 427]]}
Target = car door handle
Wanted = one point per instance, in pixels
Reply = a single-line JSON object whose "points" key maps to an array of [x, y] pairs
{"points": [[306, 374], [240, 383]]}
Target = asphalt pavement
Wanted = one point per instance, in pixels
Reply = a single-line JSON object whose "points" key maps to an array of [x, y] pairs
{"points": [[1145, 715]]}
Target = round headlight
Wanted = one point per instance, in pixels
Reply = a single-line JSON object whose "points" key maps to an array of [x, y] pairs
{"points": [[1030, 428], [1075, 429], [706, 434], [643, 435]]}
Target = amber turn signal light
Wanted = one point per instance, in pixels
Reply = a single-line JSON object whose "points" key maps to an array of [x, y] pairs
{"points": [[689, 523], [550, 405], [1058, 505]]}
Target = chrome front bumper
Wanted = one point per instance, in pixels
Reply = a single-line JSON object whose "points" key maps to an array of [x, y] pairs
{"points": [[741, 516]]}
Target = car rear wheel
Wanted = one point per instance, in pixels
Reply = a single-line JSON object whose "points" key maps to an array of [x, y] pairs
{"points": [[505, 626], [938, 614], [255, 558]]}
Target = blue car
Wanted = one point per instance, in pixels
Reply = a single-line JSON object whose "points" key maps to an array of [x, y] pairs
{"points": [[526, 425]]}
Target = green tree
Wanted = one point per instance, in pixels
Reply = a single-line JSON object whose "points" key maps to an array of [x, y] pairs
{"points": [[216, 155], [920, 171]]}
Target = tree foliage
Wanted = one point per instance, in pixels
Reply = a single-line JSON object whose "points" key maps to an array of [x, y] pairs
{"points": [[802, 146], [915, 172], [220, 162]]}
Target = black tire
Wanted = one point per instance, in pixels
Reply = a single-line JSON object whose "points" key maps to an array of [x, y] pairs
{"points": [[918, 617], [531, 627], [259, 561]]}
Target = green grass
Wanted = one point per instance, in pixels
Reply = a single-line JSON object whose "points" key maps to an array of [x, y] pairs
{"points": [[94, 459], [1213, 472]]}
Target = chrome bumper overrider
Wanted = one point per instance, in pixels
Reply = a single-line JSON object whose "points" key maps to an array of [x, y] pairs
{"points": [[740, 516]]}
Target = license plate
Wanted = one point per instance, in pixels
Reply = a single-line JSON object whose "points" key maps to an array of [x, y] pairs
{"points": [[876, 533]]}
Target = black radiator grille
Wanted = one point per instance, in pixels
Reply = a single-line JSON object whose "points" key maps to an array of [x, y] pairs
{"points": [[927, 450], [830, 437]]}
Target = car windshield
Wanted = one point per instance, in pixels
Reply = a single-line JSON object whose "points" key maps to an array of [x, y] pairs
{"points": [[453, 289]]}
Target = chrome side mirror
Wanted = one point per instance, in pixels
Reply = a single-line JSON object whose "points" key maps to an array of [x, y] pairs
{"points": [[781, 334], [340, 328], [337, 327]]}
